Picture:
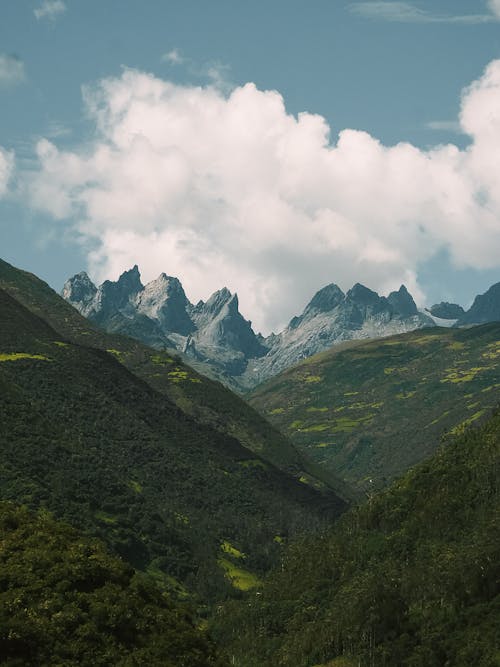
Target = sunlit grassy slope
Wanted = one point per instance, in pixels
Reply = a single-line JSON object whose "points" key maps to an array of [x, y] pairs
{"points": [[370, 410]]}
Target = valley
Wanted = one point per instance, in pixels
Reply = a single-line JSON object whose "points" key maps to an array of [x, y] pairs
{"points": [[377, 471]]}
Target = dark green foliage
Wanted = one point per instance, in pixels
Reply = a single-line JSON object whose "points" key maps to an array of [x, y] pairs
{"points": [[369, 410], [65, 601], [410, 578], [84, 437], [208, 402]]}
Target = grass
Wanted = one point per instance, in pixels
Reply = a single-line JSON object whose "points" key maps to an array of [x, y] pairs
{"points": [[105, 518], [242, 579], [231, 550], [135, 486], [389, 401], [17, 356]]}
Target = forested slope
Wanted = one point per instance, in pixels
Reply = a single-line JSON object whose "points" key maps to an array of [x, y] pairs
{"points": [[410, 578], [84, 437]]}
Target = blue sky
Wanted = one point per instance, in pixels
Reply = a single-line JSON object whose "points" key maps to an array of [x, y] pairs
{"points": [[394, 70]]}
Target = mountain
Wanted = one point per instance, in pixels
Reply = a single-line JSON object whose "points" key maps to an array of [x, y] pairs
{"points": [[332, 317], [160, 315], [64, 600], [368, 410], [408, 578], [486, 308], [111, 453], [217, 340]]}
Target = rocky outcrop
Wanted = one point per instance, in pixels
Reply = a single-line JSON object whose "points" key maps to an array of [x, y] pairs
{"points": [[447, 311]]}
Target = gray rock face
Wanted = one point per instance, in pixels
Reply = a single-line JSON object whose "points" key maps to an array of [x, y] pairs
{"points": [[164, 301], [486, 308], [215, 336]]}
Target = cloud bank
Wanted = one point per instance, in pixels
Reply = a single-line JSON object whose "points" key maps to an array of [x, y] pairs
{"points": [[233, 190]]}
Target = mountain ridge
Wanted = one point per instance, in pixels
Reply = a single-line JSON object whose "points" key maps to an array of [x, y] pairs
{"points": [[216, 339]]}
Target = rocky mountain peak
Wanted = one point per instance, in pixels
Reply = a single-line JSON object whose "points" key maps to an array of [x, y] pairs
{"points": [[164, 300], [362, 295], [402, 302], [116, 295], [79, 288], [486, 307], [326, 299], [218, 300]]}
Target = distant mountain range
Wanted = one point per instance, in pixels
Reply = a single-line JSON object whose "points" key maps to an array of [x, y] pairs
{"points": [[216, 339]]}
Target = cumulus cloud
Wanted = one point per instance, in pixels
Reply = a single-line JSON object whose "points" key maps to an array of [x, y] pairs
{"points": [[50, 9], [11, 70], [233, 190], [6, 169], [408, 12]]}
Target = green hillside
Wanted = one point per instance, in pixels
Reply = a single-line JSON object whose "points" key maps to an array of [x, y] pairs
{"points": [[84, 437], [368, 411], [208, 402], [409, 579], [64, 600]]}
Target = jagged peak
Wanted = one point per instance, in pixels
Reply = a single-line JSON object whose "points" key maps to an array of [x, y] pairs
{"points": [[219, 299], [79, 288], [129, 282], [402, 302], [165, 283], [326, 298], [359, 292]]}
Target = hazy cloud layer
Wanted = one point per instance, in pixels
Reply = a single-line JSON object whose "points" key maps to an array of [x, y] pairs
{"points": [[11, 70], [444, 126], [232, 190], [407, 12], [50, 9], [6, 169]]}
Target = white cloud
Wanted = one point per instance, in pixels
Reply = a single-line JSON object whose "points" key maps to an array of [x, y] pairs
{"points": [[173, 57], [11, 70], [408, 12], [232, 190], [50, 9], [6, 169]]}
